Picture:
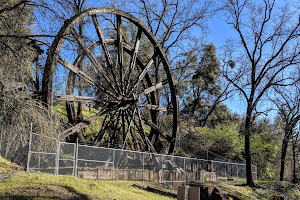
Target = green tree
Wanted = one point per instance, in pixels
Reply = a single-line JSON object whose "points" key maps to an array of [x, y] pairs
{"points": [[222, 142], [204, 91], [263, 143]]}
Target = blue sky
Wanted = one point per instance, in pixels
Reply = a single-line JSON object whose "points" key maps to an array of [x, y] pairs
{"points": [[218, 32]]}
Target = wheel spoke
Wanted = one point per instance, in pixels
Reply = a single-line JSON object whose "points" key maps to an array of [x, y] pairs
{"points": [[84, 123], [73, 98], [142, 75], [101, 38], [96, 65], [116, 126], [101, 133], [129, 125], [153, 107], [120, 49], [144, 135], [133, 58], [105, 49], [74, 69], [154, 87], [86, 77]]}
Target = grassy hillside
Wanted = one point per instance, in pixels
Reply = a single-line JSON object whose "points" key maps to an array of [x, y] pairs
{"points": [[15, 183], [91, 130]]}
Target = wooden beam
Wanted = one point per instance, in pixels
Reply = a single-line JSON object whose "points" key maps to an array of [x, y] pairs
{"points": [[142, 75], [89, 54], [86, 77], [133, 58], [62, 97], [153, 107], [101, 38], [74, 69], [77, 127], [154, 87]]}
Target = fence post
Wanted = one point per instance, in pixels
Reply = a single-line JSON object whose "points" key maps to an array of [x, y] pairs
{"points": [[113, 167], [76, 158], [184, 171], [197, 173], [57, 155], [212, 166], [143, 164], [237, 171], [29, 148], [225, 172], [162, 168]]}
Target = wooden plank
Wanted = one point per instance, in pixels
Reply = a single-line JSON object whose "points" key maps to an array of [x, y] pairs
{"points": [[103, 43], [156, 127], [120, 50], [143, 135], [120, 40], [62, 97], [89, 54], [142, 75], [80, 73], [83, 124], [153, 107], [79, 126], [134, 56], [154, 87], [101, 38]]}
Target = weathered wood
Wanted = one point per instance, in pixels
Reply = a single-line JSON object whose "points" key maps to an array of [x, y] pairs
{"points": [[94, 61], [153, 107], [74, 98], [83, 124], [133, 58], [86, 77], [142, 75], [117, 83], [80, 73], [120, 46], [140, 125], [156, 127], [154, 87], [102, 41]]}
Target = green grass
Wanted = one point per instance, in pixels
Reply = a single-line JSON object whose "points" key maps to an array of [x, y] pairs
{"points": [[23, 185], [86, 113]]}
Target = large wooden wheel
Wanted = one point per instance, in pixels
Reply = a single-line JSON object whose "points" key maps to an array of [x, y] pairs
{"points": [[120, 67]]}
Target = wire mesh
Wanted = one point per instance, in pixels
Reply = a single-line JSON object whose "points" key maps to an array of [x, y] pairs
{"points": [[68, 159]]}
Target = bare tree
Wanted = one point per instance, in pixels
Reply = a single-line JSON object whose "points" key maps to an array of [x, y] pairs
{"points": [[269, 47], [295, 143], [288, 104]]}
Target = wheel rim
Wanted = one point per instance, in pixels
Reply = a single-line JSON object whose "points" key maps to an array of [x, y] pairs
{"points": [[127, 76]]}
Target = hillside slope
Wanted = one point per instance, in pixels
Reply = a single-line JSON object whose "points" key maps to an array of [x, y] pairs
{"points": [[15, 183]]}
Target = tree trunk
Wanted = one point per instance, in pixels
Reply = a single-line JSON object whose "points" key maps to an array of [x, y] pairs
{"points": [[247, 148], [70, 105], [283, 155], [294, 162]]}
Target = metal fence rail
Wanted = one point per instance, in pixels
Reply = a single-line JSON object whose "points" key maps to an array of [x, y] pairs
{"points": [[69, 159]]}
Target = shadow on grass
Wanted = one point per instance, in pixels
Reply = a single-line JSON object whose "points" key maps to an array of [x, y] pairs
{"points": [[75, 195]]}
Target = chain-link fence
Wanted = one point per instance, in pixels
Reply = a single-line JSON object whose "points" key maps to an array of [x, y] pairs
{"points": [[68, 159]]}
